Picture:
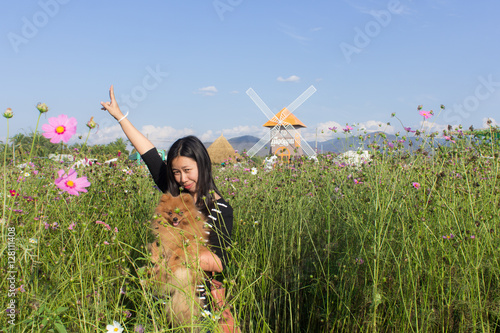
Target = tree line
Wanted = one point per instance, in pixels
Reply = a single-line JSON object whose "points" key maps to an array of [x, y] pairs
{"points": [[20, 145]]}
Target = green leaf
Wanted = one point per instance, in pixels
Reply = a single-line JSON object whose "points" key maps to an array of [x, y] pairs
{"points": [[61, 310], [60, 328]]}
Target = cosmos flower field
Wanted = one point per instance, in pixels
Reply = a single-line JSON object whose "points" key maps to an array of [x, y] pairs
{"points": [[406, 241]]}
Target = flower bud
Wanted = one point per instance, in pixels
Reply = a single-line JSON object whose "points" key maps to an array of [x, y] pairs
{"points": [[8, 113], [42, 107], [91, 123]]}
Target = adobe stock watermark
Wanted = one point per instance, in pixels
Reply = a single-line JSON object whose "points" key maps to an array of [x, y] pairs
{"points": [[140, 92], [31, 26], [486, 88], [129, 101], [223, 6], [363, 37], [11, 275]]}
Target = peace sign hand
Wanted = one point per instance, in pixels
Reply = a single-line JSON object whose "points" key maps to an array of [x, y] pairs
{"points": [[112, 107]]}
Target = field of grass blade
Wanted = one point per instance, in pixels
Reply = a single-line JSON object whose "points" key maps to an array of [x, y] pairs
{"points": [[408, 242]]}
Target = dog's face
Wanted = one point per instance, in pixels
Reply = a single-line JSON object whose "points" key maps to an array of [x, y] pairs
{"points": [[175, 210]]}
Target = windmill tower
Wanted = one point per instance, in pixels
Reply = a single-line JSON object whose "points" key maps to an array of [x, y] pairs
{"points": [[284, 135], [285, 144]]}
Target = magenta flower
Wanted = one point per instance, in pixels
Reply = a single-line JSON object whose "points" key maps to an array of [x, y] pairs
{"points": [[448, 138], [69, 182], [347, 129], [105, 225], [59, 128], [426, 114], [416, 185]]}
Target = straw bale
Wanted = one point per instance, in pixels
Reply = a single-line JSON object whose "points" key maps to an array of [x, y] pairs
{"points": [[222, 151]]}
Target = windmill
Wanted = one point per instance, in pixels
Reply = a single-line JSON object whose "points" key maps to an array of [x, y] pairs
{"points": [[283, 131]]}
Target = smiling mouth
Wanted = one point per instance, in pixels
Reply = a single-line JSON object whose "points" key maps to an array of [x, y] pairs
{"points": [[176, 222]]}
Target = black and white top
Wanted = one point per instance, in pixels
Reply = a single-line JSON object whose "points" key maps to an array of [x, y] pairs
{"points": [[220, 218]]}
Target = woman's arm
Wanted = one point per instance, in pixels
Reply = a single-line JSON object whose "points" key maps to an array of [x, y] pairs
{"points": [[210, 262], [138, 140]]}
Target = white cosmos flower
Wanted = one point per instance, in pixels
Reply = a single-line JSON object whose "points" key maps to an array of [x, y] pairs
{"points": [[254, 171], [116, 327]]}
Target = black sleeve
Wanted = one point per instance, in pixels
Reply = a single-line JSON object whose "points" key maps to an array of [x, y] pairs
{"points": [[157, 168], [221, 217]]}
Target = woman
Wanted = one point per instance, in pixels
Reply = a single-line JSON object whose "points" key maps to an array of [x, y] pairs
{"points": [[188, 167]]}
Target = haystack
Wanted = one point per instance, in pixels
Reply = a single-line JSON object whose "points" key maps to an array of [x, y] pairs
{"points": [[222, 151]]}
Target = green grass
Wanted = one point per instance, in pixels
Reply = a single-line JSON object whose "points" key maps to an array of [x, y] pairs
{"points": [[314, 250]]}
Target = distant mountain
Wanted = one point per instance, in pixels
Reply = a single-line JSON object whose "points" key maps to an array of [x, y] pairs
{"points": [[335, 145]]}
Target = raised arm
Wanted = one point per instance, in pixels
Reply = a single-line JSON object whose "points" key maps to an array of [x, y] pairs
{"points": [[138, 140]]}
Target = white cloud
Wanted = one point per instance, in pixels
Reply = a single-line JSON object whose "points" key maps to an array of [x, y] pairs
{"points": [[429, 127], [292, 32], [322, 131], [292, 78], [163, 137], [257, 131], [207, 91], [207, 136], [493, 122], [375, 126], [105, 135]]}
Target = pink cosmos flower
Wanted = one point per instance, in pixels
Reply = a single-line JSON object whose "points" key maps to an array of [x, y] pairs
{"points": [[347, 129], [69, 182], [416, 185], [448, 138], [426, 114], [59, 128]]}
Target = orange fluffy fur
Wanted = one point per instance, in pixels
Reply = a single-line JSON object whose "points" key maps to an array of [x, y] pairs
{"points": [[180, 238]]}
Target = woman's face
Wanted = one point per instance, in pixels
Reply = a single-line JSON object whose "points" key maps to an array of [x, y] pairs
{"points": [[185, 172]]}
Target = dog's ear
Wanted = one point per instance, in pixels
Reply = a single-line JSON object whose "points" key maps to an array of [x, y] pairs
{"points": [[165, 197], [163, 202]]}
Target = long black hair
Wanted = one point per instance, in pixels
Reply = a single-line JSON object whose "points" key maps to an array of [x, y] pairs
{"points": [[192, 147]]}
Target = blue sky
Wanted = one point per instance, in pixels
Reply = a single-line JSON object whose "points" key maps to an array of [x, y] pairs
{"points": [[183, 67]]}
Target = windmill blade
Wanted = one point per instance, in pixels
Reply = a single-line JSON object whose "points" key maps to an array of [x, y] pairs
{"points": [[306, 148], [261, 105], [301, 99], [263, 141]]}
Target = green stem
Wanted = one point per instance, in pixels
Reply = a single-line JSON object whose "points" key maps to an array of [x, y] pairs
{"points": [[34, 137], [85, 143], [4, 221]]}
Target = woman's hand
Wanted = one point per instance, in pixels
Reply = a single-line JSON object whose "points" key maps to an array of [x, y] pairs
{"points": [[210, 262], [112, 107], [138, 140]]}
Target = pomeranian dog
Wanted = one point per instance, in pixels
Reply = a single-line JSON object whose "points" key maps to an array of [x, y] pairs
{"points": [[181, 237]]}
